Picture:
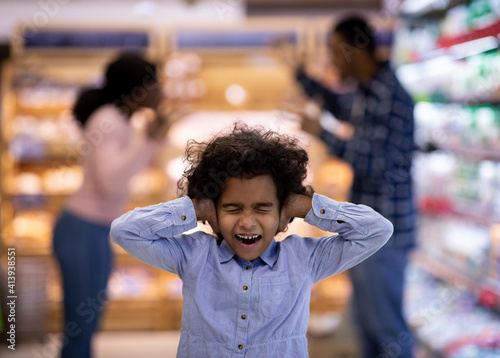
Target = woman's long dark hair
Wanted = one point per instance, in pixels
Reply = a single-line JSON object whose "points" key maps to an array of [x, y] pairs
{"points": [[129, 74]]}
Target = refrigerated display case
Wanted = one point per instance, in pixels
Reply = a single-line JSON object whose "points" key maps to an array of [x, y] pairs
{"points": [[448, 59]]}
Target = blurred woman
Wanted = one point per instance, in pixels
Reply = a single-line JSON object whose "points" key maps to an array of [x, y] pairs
{"points": [[111, 154]]}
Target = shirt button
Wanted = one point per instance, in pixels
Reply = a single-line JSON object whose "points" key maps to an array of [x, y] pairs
{"points": [[183, 217], [322, 211], [245, 287], [243, 316], [249, 268], [240, 346]]}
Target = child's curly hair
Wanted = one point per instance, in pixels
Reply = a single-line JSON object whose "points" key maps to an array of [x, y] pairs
{"points": [[244, 152]]}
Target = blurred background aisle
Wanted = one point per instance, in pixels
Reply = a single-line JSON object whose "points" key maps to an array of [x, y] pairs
{"points": [[216, 56]]}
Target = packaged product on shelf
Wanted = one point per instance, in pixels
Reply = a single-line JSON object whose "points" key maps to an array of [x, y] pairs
{"points": [[466, 184], [24, 147], [26, 183], [433, 179], [487, 187], [487, 125], [454, 23], [494, 269], [448, 319], [132, 281], [149, 181], [412, 45], [173, 286], [31, 230], [481, 13], [45, 94], [62, 179], [38, 137]]}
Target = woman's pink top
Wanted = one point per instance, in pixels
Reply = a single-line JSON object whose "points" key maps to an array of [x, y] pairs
{"points": [[111, 154]]}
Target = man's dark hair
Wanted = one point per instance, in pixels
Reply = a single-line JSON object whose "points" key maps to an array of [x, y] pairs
{"points": [[357, 33], [244, 152]]}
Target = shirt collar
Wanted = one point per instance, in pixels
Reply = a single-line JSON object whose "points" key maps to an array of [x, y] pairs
{"points": [[269, 256], [225, 252]]}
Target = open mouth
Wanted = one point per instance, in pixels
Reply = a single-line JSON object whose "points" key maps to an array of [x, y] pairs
{"points": [[248, 240]]}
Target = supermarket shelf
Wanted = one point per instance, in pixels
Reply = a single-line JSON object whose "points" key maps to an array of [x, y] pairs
{"points": [[428, 350], [50, 154], [38, 201], [492, 98], [472, 218], [448, 52], [470, 152], [487, 292], [35, 252], [444, 272], [492, 30], [52, 111], [418, 8]]}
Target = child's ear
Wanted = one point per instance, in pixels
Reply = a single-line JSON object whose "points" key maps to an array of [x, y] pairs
{"points": [[281, 223]]}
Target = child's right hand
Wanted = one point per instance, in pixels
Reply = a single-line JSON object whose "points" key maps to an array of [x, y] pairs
{"points": [[205, 211], [296, 206]]}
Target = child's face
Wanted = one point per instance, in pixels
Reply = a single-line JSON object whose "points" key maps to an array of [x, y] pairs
{"points": [[248, 213]]}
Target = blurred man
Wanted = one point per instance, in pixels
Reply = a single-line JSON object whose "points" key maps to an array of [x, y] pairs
{"points": [[376, 139]]}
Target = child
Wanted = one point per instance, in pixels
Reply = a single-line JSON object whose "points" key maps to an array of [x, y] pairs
{"points": [[246, 295]]}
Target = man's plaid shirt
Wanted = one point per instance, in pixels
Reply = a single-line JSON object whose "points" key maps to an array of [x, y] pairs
{"points": [[381, 150]]}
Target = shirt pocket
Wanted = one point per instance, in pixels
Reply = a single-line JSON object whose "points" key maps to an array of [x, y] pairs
{"points": [[275, 296]]}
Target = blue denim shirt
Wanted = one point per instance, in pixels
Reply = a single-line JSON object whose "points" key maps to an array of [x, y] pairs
{"points": [[237, 308]]}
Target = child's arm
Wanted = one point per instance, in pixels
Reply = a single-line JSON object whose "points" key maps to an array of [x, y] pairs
{"points": [[152, 233], [361, 232]]}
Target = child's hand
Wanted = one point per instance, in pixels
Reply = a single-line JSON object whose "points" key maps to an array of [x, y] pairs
{"points": [[205, 211], [296, 206]]}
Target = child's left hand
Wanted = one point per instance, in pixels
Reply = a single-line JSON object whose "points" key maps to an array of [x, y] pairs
{"points": [[205, 211], [296, 206]]}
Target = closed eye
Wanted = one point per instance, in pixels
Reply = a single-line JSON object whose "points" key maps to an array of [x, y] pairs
{"points": [[232, 211], [264, 207]]}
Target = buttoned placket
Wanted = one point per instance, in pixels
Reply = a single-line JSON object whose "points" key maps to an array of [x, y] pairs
{"points": [[245, 291]]}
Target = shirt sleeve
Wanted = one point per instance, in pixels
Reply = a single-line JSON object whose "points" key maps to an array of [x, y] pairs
{"points": [[361, 232], [335, 103], [383, 144], [152, 234]]}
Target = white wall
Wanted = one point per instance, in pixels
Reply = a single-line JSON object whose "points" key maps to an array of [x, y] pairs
{"points": [[96, 13]]}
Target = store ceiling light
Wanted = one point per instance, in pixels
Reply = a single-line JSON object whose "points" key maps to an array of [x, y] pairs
{"points": [[236, 95], [145, 8]]}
